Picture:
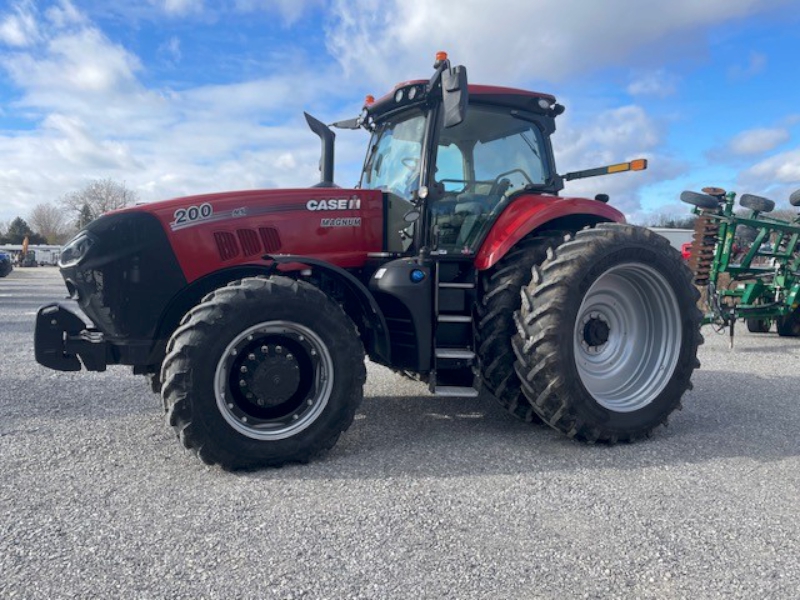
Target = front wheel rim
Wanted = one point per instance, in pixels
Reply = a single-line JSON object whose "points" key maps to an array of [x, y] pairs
{"points": [[273, 380], [627, 337]]}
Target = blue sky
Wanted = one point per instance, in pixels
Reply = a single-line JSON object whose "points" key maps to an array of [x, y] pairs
{"points": [[174, 97]]}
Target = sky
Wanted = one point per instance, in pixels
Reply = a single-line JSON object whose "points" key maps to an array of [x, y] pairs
{"points": [[179, 97]]}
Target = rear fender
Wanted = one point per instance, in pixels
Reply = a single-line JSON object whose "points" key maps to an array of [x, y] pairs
{"points": [[534, 212]]}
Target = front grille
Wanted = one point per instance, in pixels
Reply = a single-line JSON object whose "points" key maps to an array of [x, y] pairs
{"points": [[249, 241], [270, 239], [226, 244]]}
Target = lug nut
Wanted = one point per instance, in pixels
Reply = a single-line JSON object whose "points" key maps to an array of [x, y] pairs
{"points": [[243, 369], [251, 356], [264, 349], [242, 383]]}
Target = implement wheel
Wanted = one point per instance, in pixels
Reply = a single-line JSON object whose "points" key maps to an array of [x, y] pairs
{"points": [[263, 372], [608, 334], [789, 325], [759, 325]]}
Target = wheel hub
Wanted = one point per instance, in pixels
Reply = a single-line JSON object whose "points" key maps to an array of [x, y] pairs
{"points": [[627, 337], [273, 380], [271, 376], [596, 331]]}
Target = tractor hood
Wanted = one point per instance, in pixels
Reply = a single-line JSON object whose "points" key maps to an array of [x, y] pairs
{"points": [[214, 231]]}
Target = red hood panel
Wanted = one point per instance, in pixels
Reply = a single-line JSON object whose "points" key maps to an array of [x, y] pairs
{"points": [[216, 231]]}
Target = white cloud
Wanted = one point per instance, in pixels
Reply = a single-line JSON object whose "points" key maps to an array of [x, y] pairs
{"points": [[94, 118], [19, 28], [783, 168], [518, 40], [81, 62], [182, 7], [756, 63], [654, 83], [758, 141], [614, 136], [171, 50], [776, 176], [64, 14], [290, 10]]}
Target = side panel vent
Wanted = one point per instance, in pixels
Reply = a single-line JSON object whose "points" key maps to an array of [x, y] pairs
{"points": [[270, 239], [249, 241], [226, 244]]}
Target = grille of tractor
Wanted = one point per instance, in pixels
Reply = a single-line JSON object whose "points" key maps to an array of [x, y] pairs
{"points": [[703, 244], [226, 244], [249, 241], [270, 239]]}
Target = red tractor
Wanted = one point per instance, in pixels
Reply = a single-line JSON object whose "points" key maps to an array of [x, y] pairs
{"points": [[454, 260]]}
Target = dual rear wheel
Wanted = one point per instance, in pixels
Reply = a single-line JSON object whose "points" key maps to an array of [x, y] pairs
{"points": [[606, 336]]}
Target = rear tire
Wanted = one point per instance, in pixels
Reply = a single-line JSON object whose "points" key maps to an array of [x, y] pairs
{"points": [[261, 373], [500, 299], [608, 334]]}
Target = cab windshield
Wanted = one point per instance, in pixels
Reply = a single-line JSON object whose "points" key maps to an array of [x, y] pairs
{"points": [[393, 158], [480, 165]]}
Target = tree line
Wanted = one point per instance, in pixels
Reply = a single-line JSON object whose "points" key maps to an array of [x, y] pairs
{"points": [[56, 222]]}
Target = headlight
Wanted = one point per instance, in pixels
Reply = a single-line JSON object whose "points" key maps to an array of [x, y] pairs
{"points": [[74, 252]]}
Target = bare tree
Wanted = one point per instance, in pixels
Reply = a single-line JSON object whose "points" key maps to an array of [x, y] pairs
{"points": [[672, 221], [98, 197], [50, 221]]}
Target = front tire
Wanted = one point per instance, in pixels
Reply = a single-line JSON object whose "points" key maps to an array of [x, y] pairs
{"points": [[263, 372], [608, 334]]}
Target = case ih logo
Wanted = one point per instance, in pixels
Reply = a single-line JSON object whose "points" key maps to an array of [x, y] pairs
{"points": [[352, 203]]}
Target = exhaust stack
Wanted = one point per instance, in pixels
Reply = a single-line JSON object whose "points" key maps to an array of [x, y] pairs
{"points": [[327, 137]]}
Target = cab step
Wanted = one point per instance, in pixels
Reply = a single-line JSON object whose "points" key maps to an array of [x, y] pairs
{"points": [[454, 319], [455, 391], [454, 353]]}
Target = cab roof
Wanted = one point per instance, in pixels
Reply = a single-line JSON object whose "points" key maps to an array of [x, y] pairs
{"points": [[504, 96]]}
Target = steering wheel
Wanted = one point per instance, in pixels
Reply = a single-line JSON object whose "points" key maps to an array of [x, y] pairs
{"points": [[411, 163], [498, 182]]}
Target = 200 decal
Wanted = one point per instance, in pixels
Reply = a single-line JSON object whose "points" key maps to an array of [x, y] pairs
{"points": [[192, 213]]}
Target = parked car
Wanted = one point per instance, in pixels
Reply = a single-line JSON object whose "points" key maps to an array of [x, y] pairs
{"points": [[5, 264]]}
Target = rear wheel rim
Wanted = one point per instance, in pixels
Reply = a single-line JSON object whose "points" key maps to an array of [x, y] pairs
{"points": [[273, 380], [627, 337]]}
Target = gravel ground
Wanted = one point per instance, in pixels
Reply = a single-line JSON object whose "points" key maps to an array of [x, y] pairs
{"points": [[422, 498]]}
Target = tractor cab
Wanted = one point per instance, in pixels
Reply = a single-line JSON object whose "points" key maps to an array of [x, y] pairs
{"points": [[450, 160]]}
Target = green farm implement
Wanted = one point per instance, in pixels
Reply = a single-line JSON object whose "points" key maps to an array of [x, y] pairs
{"points": [[748, 262]]}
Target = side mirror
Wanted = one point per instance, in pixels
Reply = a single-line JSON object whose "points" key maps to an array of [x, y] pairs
{"points": [[454, 95], [411, 215]]}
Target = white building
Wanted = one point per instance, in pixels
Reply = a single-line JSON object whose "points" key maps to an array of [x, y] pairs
{"points": [[46, 254]]}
